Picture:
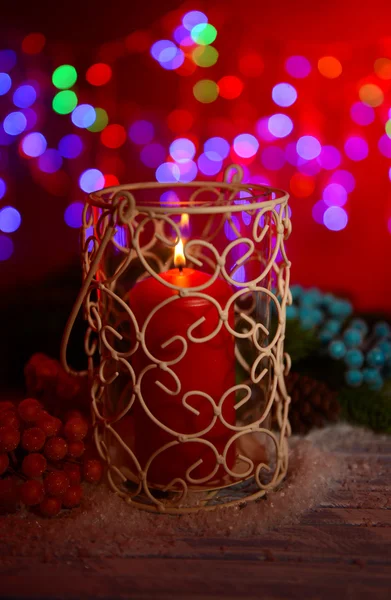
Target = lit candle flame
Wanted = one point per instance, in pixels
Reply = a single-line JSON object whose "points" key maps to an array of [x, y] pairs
{"points": [[179, 254]]}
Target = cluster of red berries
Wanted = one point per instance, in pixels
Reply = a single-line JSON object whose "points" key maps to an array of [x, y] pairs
{"points": [[42, 459]]}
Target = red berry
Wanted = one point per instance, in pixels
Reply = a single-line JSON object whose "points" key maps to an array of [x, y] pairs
{"points": [[4, 462], [49, 425], [75, 449], [72, 496], [56, 448], [76, 429], [93, 470], [29, 410], [10, 417], [32, 492], [33, 439], [50, 507], [9, 438], [73, 414], [73, 472], [9, 495], [56, 483], [6, 405], [34, 465]]}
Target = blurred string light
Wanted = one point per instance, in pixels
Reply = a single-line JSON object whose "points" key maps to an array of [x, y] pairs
{"points": [[329, 67], [203, 33], [205, 56], [6, 247], [15, 123], [280, 125], [182, 37], [7, 60], [230, 87], [99, 74], [388, 128], [141, 132], [384, 145], [382, 68], [284, 94], [5, 83], [168, 173], [334, 194], [298, 66], [371, 95], [64, 102], [335, 218], [33, 43], [262, 129], [329, 158], [91, 180], [182, 150], [209, 165], [167, 54], [206, 91], [245, 145], [194, 18], [34, 144], [187, 171], [50, 161], [216, 148], [10, 219], [70, 146], [31, 118], [83, 116], [73, 214], [24, 96], [3, 188], [318, 210], [345, 178], [308, 147], [356, 148], [101, 120], [64, 77], [152, 155], [362, 114], [113, 136]]}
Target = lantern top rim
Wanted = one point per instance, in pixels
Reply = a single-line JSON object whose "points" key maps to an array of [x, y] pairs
{"points": [[223, 197]]}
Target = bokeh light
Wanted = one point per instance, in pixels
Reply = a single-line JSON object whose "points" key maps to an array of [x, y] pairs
{"points": [[318, 210], [251, 64], [193, 18], [302, 185], [152, 155], [113, 136], [203, 33], [33, 43], [308, 147], [329, 158], [31, 118], [206, 91], [3, 188], [382, 68], [5, 83], [388, 128], [371, 95], [167, 54], [284, 94], [70, 146], [83, 116], [384, 145], [170, 197], [216, 148], [182, 37], [168, 173], [111, 180], [298, 66], [245, 145], [180, 120], [273, 158], [230, 87], [64, 77], [141, 132], [335, 218], [64, 102], [10, 219], [329, 67], [362, 114], [91, 180], [280, 125], [345, 178], [182, 150], [73, 214], [6, 247], [34, 144], [209, 166], [205, 56], [50, 161], [334, 194], [24, 96], [7, 60], [99, 74], [15, 123], [356, 148], [187, 171], [308, 167], [101, 120]]}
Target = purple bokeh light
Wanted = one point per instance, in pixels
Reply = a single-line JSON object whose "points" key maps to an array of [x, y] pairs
{"points": [[335, 218], [330, 158], [34, 144], [141, 132], [308, 147], [345, 178], [70, 146], [245, 145], [273, 158], [216, 148], [182, 150], [73, 214], [335, 194], [209, 166], [168, 172], [284, 94], [280, 125], [356, 148], [50, 161], [298, 66], [10, 219], [6, 247], [384, 145], [362, 114], [91, 180], [152, 155]]}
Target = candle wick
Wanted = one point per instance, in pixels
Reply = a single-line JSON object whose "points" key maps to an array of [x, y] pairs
{"points": [[180, 267]]}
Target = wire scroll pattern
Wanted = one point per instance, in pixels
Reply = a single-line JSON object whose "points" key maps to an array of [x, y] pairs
{"points": [[178, 435]]}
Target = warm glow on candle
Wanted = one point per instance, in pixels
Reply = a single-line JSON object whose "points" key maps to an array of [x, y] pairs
{"points": [[179, 255]]}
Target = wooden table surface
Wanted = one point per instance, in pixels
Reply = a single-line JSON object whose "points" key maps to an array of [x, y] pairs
{"points": [[340, 548]]}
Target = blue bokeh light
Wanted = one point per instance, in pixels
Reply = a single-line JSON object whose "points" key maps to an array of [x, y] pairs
{"points": [[280, 125], [73, 214], [141, 132], [182, 36], [193, 18], [182, 150], [5, 83], [34, 144], [187, 171], [7, 60], [91, 180], [3, 188], [24, 96], [209, 166], [15, 123], [168, 173], [50, 161], [152, 155], [83, 116], [10, 219], [6, 247], [335, 218], [308, 147], [216, 148], [284, 94], [70, 146]]}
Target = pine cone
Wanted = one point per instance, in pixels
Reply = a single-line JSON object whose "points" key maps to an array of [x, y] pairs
{"points": [[313, 403]]}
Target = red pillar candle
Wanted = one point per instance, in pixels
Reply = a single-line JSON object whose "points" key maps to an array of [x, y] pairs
{"points": [[207, 367]]}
